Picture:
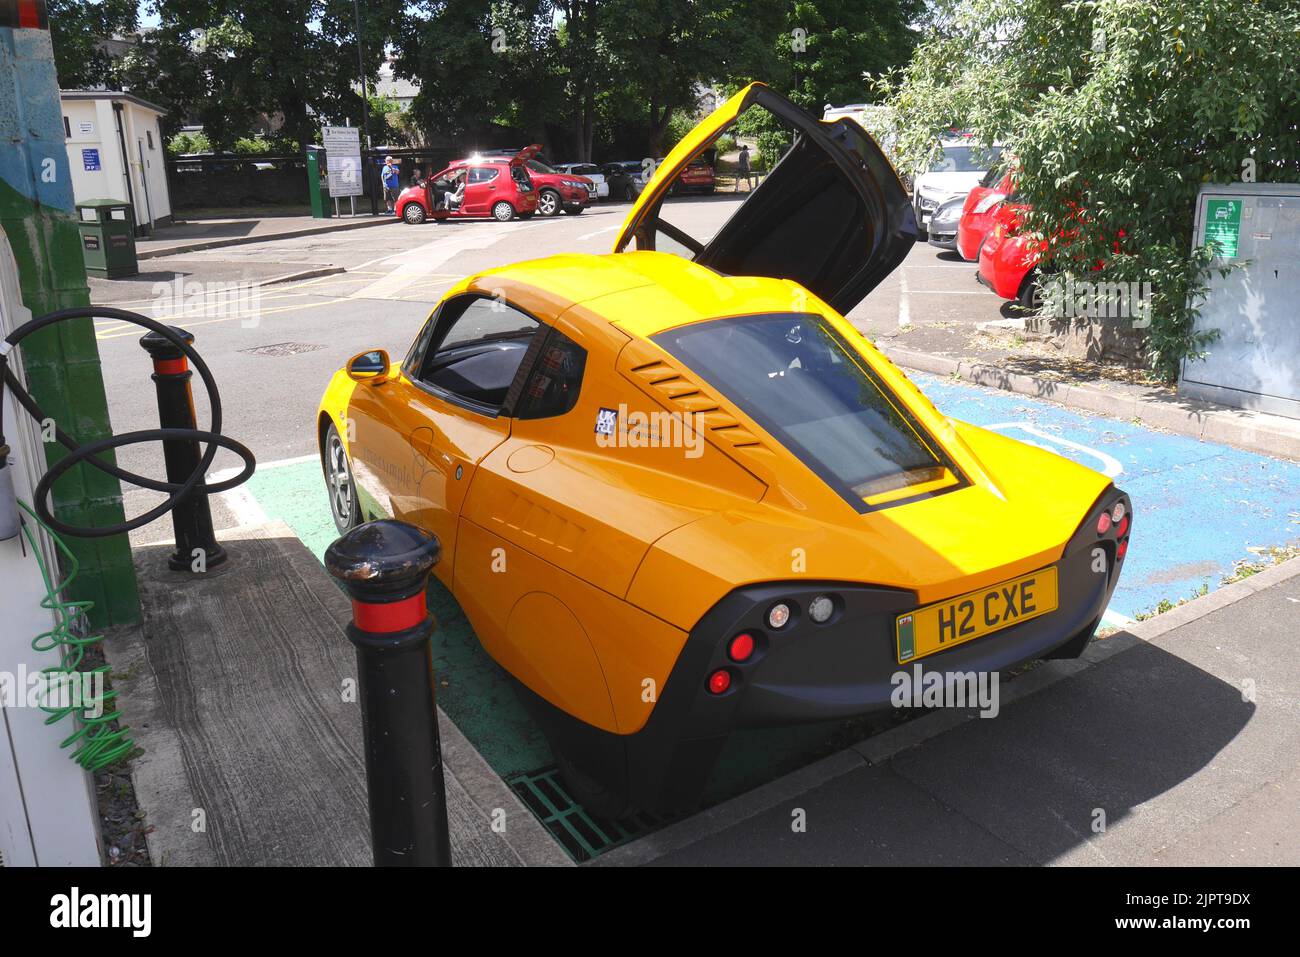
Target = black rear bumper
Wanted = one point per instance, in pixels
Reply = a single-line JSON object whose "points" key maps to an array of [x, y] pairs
{"points": [[813, 672]]}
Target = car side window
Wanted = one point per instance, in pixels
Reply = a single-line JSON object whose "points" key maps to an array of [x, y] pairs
{"points": [[555, 380], [482, 174], [479, 349]]}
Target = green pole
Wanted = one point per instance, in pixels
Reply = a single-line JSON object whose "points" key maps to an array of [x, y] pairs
{"points": [[61, 363]]}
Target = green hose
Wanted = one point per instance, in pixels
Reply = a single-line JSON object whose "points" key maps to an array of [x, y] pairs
{"points": [[98, 743]]}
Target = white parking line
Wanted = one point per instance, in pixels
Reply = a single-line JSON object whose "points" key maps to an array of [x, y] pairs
{"points": [[597, 232]]}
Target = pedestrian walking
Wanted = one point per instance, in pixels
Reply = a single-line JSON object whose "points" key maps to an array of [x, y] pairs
{"points": [[743, 170]]}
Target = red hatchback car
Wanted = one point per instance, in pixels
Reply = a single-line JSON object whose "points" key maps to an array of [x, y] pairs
{"points": [[494, 186], [978, 212], [1008, 257]]}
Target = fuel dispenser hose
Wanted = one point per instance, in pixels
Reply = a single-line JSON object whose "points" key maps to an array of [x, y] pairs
{"points": [[98, 742]]}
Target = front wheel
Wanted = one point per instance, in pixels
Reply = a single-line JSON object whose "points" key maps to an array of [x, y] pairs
{"points": [[548, 202], [342, 490], [503, 212], [413, 213]]}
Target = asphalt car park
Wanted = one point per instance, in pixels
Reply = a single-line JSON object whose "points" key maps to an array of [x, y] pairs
{"points": [[273, 362]]}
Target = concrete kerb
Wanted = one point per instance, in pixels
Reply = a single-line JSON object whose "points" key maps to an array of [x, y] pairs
{"points": [[1204, 421], [196, 246], [880, 748]]}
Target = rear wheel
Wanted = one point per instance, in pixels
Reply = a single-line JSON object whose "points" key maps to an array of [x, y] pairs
{"points": [[1031, 296], [413, 213], [599, 799], [503, 212], [344, 505], [548, 202], [574, 210], [629, 193]]}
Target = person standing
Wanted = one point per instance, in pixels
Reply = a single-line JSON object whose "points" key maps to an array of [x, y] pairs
{"points": [[392, 179], [742, 169]]}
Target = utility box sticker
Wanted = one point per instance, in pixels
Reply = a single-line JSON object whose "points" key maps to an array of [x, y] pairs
{"points": [[1223, 226], [90, 160]]}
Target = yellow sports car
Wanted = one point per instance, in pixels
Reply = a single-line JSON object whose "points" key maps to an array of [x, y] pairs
{"points": [[679, 494]]}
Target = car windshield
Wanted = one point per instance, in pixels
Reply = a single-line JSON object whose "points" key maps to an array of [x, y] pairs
{"points": [[537, 166], [800, 380], [966, 159]]}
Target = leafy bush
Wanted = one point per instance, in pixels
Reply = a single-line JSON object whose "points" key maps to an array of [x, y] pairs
{"points": [[189, 143], [1117, 111]]}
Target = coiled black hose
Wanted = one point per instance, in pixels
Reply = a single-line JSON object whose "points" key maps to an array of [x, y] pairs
{"points": [[90, 452]]}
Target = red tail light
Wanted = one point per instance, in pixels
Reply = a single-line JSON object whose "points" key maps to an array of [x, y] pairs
{"points": [[741, 647], [1103, 523], [719, 681]]}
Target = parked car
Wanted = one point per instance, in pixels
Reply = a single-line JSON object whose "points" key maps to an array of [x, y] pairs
{"points": [[649, 435], [495, 186], [1008, 257], [555, 190], [626, 178], [958, 170], [696, 177], [588, 171], [944, 222], [978, 209]]}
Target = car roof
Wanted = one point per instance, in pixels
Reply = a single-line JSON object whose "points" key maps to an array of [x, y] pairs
{"points": [[641, 292]]}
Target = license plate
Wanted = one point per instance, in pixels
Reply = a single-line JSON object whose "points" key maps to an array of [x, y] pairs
{"points": [[954, 621]]}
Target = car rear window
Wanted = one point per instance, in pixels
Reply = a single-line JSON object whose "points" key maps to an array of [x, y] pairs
{"points": [[797, 377]]}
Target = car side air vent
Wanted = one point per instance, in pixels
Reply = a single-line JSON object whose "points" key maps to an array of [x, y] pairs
{"points": [[681, 393]]}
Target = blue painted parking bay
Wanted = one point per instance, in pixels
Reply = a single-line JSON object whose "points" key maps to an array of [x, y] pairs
{"points": [[1198, 507]]}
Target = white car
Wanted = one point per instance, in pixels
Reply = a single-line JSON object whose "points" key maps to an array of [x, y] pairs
{"points": [[592, 172], [954, 174]]}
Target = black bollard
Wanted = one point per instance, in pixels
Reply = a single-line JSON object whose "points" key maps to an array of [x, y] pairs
{"points": [[191, 516], [385, 567]]}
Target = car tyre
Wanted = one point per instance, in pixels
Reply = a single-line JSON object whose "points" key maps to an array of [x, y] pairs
{"points": [[629, 194], [574, 210], [413, 213], [599, 799], [548, 202], [1030, 298], [339, 483], [503, 212]]}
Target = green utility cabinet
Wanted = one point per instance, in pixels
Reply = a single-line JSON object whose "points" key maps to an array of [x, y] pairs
{"points": [[107, 229]]}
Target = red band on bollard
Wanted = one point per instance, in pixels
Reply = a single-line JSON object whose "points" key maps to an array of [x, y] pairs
{"points": [[171, 366], [392, 616]]}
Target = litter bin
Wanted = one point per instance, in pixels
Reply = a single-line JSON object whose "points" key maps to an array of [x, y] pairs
{"points": [[107, 237]]}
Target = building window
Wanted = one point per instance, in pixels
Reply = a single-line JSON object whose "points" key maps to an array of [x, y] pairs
{"points": [[67, 129], [148, 135]]}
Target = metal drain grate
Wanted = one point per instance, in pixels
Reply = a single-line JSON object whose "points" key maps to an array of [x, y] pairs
{"points": [[279, 349], [582, 835]]}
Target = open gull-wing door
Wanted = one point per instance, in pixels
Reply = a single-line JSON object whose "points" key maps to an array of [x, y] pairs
{"points": [[831, 214]]}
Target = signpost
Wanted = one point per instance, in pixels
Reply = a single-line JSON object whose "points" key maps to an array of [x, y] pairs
{"points": [[343, 158]]}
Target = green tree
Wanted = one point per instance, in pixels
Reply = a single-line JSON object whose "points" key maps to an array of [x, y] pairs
{"points": [[292, 64], [1118, 111], [78, 29]]}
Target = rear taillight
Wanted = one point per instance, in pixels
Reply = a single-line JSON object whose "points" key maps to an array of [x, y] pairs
{"points": [[719, 681], [741, 647], [1103, 523]]}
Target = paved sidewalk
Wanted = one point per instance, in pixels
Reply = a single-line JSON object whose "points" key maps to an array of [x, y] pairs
{"points": [[233, 686], [1180, 736], [193, 235]]}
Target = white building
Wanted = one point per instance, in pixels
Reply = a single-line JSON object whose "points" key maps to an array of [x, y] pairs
{"points": [[116, 151]]}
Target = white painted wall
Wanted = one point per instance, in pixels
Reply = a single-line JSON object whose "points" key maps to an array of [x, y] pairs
{"points": [[48, 814], [92, 126]]}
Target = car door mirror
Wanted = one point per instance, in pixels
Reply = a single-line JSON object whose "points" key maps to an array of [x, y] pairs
{"points": [[369, 366]]}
